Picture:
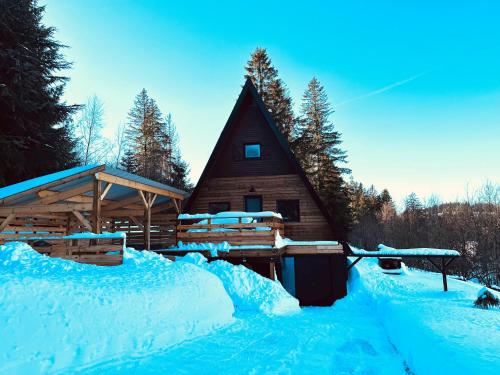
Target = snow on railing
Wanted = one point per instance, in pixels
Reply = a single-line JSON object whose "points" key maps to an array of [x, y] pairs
{"points": [[230, 214], [388, 251]]}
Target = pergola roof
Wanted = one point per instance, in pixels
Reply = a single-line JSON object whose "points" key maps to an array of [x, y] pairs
{"points": [[124, 184]]}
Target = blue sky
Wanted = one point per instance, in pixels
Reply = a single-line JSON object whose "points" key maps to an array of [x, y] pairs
{"points": [[415, 85]]}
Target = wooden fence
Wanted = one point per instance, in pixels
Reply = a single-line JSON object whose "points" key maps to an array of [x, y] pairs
{"points": [[89, 250]]}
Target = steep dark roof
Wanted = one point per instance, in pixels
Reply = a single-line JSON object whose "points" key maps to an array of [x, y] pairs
{"points": [[249, 88]]}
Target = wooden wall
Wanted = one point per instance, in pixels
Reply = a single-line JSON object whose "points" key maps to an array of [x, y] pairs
{"points": [[251, 127], [312, 225]]}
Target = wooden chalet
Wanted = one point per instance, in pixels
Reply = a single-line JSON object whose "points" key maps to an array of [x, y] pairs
{"points": [[47, 210], [253, 169]]}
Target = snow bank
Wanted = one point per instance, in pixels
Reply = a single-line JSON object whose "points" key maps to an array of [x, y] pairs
{"points": [[248, 290], [59, 315], [436, 332]]}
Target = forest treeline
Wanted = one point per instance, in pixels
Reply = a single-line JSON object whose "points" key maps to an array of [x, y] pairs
{"points": [[471, 226], [40, 134]]}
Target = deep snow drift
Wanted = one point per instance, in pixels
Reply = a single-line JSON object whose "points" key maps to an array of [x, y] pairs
{"points": [[57, 314], [248, 290]]}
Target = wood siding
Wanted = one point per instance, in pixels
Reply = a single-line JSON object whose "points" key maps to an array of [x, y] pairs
{"points": [[251, 128], [312, 226]]}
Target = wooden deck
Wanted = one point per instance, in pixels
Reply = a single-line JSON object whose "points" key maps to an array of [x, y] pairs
{"points": [[237, 232]]}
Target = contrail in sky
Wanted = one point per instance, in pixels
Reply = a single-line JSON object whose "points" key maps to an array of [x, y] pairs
{"points": [[382, 89]]}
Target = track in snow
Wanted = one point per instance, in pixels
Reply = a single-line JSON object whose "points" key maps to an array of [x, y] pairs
{"points": [[345, 339]]}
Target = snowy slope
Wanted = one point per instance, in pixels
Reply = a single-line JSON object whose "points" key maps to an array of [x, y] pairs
{"points": [[57, 314], [436, 332]]}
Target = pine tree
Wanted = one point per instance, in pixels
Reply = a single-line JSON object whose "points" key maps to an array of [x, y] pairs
{"points": [[153, 149], [318, 150], [272, 90], [35, 138], [176, 169], [128, 162], [144, 132]]}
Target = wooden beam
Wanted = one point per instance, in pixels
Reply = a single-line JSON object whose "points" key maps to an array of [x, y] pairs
{"points": [[6, 222], [106, 190], [147, 224], [162, 207], [176, 206], [443, 272], [82, 220], [354, 263], [46, 208], [152, 201], [137, 185], [137, 222], [60, 196], [52, 184], [122, 203], [96, 208], [122, 212], [141, 194]]}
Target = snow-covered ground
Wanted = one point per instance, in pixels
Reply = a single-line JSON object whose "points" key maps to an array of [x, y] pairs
{"points": [[58, 315], [436, 332], [153, 316]]}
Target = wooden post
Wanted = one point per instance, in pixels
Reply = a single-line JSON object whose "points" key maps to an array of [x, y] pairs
{"points": [[443, 272], [272, 276], [147, 223], [96, 207]]}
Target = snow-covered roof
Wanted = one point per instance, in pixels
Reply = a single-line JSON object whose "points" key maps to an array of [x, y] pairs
{"points": [[390, 251], [7, 191], [232, 214], [115, 193]]}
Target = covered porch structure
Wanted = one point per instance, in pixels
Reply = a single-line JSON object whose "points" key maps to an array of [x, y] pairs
{"points": [[93, 198], [439, 258]]}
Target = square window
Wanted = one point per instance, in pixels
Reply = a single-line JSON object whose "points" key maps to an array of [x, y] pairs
{"points": [[289, 209], [252, 151], [216, 207]]}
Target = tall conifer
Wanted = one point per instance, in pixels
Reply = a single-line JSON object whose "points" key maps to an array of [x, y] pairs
{"points": [[34, 132], [318, 150], [273, 91]]}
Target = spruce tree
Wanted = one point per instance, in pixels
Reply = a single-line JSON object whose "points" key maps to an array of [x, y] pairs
{"points": [[273, 91], [176, 169], [128, 161], [318, 150], [144, 132], [35, 137], [153, 148]]}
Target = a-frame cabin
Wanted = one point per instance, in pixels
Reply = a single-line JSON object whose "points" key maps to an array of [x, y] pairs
{"points": [[253, 169]]}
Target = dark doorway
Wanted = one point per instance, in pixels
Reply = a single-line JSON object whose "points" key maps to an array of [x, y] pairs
{"points": [[253, 203], [320, 279]]}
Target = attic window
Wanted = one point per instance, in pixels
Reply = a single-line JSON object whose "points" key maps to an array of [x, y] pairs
{"points": [[252, 151]]}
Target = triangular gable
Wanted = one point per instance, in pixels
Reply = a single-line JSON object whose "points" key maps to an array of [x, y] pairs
{"points": [[250, 89]]}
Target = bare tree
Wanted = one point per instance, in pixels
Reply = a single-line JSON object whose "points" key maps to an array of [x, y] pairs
{"points": [[119, 144], [93, 148]]}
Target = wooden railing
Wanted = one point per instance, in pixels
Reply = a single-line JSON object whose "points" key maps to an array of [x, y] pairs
{"points": [[86, 249], [261, 231]]}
